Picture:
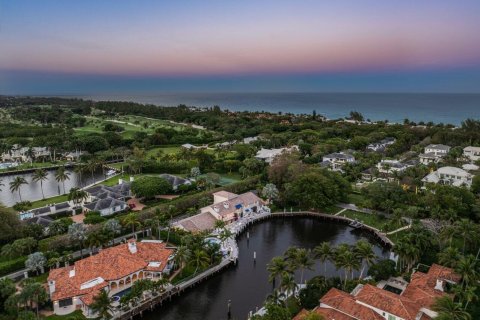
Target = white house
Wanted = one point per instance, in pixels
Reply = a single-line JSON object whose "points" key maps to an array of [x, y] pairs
{"points": [[381, 145], [433, 153], [450, 176], [337, 160], [473, 153], [389, 166], [268, 155]]}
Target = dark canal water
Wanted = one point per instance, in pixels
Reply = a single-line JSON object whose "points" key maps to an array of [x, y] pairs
{"points": [[246, 284], [51, 187]]}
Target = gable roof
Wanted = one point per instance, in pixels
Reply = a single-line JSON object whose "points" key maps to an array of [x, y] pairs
{"points": [[346, 304], [103, 204], [174, 180]]}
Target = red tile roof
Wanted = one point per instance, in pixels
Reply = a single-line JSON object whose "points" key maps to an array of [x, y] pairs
{"points": [[110, 264], [420, 293]]}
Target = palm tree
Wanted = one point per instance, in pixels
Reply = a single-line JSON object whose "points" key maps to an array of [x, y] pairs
{"points": [[288, 284], [290, 257], [61, 175], [465, 229], [449, 257], [112, 227], [348, 261], [364, 252], [40, 175], [200, 259], [277, 267], [225, 235], [323, 252], [131, 219], [448, 309], [16, 184], [96, 240], [77, 195], [467, 269], [182, 256], [102, 305], [80, 169], [465, 295], [78, 233], [304, 261], [92, 165]]}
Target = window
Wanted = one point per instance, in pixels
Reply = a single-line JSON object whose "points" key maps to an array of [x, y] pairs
{"points": [[65, 302]]}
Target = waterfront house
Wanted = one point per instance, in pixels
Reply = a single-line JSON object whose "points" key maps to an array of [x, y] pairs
{"points": [[336, 161], [107, 199], [227, 207], [25, 154], [409, 301], [382, 145], [175, 181], [449, 176], [73, 156], [433, 153], [472, 153], [106, 207], [268, 155], [113, 269]]}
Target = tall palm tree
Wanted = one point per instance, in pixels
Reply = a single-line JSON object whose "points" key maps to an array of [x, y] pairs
{"points": [[77, 195], [61, 176], [40, 175], [448, 309], [288, 284], [467, 269], [276, 297], [182, 256], [323, 252], [80, 170], [364, 252], [465, 229], [290, 257], [303, 261], [277, 267], [449, 257], [348, 262], [16, 185], [200, 259], [131, 220], [465, 295], [102, 305]]}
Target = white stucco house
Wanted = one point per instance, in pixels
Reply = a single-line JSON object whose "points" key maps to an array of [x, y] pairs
{"points": [[433, 153], [472, 153], [450, 176], [268, 155], [336, 161]]}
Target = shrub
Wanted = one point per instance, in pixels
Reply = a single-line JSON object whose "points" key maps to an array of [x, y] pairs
{"points": [[12, 265]]}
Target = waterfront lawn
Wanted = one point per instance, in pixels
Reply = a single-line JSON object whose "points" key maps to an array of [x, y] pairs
{"points": [[373, 220], [44, 202]]}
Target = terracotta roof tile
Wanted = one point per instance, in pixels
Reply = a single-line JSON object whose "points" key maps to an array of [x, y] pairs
{"points": [[110, 264]]}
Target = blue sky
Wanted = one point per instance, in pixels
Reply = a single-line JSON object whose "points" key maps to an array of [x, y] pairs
{"points": [[82, 47]]}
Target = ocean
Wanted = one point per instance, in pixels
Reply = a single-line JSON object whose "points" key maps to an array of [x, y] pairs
{"points": [[394, 107]]}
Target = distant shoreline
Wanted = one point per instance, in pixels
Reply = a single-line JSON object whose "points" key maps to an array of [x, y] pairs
{"points": [[447, 108]]}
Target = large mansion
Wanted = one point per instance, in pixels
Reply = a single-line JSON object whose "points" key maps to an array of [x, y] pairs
{"points": [[367, 302], [114, 269]]}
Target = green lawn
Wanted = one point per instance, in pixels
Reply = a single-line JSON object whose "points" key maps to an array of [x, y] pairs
{"points": [[162, 150], [373, 220], [356, 198], [44, 202]]}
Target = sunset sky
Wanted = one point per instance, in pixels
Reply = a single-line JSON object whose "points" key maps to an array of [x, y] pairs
{"points": [[84, 46]]}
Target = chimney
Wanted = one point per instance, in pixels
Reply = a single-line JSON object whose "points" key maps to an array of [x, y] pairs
{"points": [[439, 285], [226, 205], [72, 273], [51, 286], [132, 247], [216, 209]]}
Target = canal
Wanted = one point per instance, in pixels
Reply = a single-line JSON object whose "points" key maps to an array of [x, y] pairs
{"points": [[246, 284], [51, 187]]}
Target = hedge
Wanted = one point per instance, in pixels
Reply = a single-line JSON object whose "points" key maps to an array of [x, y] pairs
{"points": [[12, 265]]}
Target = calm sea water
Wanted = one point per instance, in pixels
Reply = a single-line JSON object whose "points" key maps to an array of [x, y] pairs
{"points": [[395, 107]]}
